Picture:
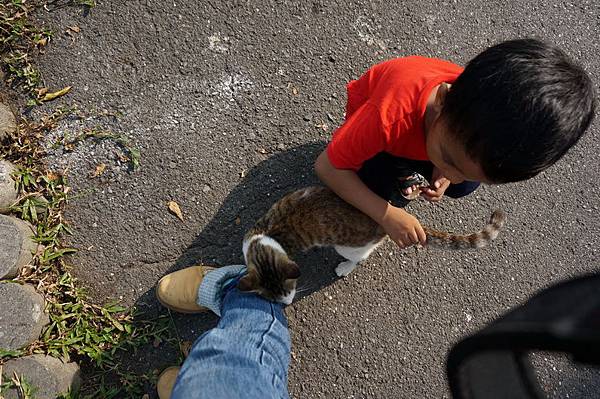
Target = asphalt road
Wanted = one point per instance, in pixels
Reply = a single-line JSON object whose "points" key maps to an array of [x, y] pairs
{"points": [[230, 102]]}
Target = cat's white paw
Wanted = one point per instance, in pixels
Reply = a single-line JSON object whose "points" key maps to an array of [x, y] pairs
{"points": [[345, 268]]}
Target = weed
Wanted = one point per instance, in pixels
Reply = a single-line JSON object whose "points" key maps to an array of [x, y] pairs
{"points": [[78, 329], [86, 3], [97, 134], [20, 384], [19, 40]]}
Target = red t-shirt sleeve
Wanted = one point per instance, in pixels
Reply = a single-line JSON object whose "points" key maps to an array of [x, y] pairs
{"points": [[360, 138]]}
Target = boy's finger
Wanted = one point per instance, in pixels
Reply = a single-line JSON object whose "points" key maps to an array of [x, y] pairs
{"points": [[431, 195], [414, 237], [421, 235]]}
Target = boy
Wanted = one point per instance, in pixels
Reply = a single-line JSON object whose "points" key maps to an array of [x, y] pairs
{"points": [[511, 113]]}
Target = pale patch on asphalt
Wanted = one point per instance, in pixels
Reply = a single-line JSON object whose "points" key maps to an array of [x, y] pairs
{"points": [[367, 32], [218, 43], [229, 86], [224, 86], [84, 155]]}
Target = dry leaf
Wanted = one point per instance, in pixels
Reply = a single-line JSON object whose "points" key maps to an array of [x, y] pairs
{"points": [[75, 29], [42, 91], [185, 347], [175, 210], [294, 91], [99, 170], [42, 42], [39, 250], [123, 158], [323, 126], [56, 94], [146, 396], [237, 220]]}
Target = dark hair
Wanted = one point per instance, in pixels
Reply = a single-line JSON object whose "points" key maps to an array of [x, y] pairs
{"points": [[518, 107]]}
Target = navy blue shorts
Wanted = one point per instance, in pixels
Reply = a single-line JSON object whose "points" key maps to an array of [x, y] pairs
{"points": [[382, 172]]}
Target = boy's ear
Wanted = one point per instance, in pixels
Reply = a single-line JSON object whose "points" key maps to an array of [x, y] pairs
{"points": [[248, 282], [440, 96]]}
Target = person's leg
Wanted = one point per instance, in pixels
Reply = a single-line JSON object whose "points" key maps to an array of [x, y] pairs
{"points": [[382, 172], [462, 189], [246, 356]]}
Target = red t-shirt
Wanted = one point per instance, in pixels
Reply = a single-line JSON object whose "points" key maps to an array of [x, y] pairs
{"points": [[385, 111]]}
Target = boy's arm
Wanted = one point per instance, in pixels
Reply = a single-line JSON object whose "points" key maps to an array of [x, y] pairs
{"points": [[402, 227]]}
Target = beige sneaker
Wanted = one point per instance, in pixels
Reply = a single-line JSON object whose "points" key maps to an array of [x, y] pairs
{"points": [[166, 382], [178, 290]]}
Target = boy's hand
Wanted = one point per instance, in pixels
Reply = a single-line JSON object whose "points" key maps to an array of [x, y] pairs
{"points": [[438, 187], [402, 227]]}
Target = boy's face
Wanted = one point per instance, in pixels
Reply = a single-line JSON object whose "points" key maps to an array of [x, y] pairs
{"points": [[450, 157]]}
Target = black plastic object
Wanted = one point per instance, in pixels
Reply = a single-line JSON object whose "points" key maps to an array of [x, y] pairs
{"points": [[494, 363], [414, 179]]}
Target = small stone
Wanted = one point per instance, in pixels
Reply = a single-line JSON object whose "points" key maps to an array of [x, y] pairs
{"points": [[50, 377], [8, 123], [206, 188], [8, 192], [281, 146], [22, 315], [16, 245]]}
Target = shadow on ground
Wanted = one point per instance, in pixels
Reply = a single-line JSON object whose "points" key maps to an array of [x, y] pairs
{"points": [[220, 242], [221, 239]]}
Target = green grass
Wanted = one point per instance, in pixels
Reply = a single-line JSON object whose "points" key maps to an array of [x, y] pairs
{"points": [[23, 388], [20, 40], [132, 154], [79, 329], [86, 3]]}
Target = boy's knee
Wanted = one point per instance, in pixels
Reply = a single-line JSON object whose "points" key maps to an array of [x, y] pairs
{"points": [[461, 190]]}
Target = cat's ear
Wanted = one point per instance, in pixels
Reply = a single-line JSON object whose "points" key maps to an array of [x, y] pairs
{"points": [[292, 270], [248, 282]]}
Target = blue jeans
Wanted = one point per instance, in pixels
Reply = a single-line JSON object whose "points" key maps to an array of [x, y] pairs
{"points": [[246, 355]]}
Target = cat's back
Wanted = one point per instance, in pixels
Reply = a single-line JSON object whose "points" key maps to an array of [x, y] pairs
{"points": [[315, 215], [314, 204]]}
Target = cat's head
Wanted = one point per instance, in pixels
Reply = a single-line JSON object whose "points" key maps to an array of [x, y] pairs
{"points": [[271, 273]]}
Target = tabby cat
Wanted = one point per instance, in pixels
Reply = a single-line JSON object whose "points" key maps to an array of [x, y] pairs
{"points": [[316, 216]]}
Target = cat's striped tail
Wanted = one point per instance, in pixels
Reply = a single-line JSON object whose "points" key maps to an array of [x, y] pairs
{"points": [[480, 239]]}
